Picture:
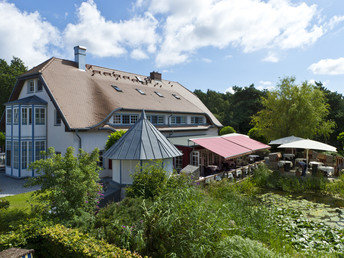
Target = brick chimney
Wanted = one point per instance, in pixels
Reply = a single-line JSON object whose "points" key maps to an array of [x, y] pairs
{"points": [[80, 56], [155, 76]]}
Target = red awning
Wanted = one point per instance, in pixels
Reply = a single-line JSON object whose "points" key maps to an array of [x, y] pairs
{"points": [[230, 146]]}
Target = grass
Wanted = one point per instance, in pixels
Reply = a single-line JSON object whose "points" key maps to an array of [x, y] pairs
{"points": [[18, 211], [20, 202]]}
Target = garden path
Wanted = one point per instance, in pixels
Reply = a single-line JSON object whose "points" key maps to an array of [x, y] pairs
{"points": [[12, 186]]}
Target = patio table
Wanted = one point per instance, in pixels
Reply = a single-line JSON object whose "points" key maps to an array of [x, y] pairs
{"points": [[328, 169], [288, 156]]}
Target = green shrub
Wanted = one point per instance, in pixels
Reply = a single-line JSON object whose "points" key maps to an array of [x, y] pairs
{"points": [[59, 241], [69, 184], [4, 204], [255, 134], [113, 138], [148, 181], [262, 175], [336, 187], [238, 247], [227, 130]]}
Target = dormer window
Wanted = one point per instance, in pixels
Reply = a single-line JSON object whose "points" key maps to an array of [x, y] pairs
{"points": [[141, 92], [31, 86], [177, 120], [197, 120]]}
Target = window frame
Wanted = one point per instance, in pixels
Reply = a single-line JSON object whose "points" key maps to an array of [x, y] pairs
{"points": [[39, 86], [16, 115], [39, 147], [40, 116], [57, 118], [9, 116], [174, 120], [24, 116], [31, 87], [8, 162]]}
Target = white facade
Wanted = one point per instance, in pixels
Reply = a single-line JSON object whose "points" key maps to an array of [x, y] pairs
{"points": [[123, 169]]}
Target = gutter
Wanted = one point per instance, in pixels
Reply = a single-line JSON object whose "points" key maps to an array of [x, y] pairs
{"points": [[80, 143]]}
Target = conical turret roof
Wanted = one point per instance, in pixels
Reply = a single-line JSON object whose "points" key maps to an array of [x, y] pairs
{"points": [[142, 141]]}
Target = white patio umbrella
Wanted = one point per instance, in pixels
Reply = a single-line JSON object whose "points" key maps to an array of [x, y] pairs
{"points": [[308, 144]]}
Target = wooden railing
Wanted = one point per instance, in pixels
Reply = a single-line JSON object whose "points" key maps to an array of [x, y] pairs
{"points": [[225, 174]]}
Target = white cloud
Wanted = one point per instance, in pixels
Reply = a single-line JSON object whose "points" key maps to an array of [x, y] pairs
{"points": [[106, 38], [230, 90], [335, 20], [328, 66], [138, 54], [248, 24], [26, 35], [271, 57], [265, 85], [228, 56], [207, 60]]}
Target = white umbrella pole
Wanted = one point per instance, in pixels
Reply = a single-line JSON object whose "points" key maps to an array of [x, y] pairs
{"points": [[307, 156]]}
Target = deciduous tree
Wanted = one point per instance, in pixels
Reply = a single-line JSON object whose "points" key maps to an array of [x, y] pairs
{"points": [[292, 109]]}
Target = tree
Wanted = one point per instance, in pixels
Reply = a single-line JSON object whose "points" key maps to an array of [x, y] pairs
{"points": [[69, 184], [2, 141], [340, 139], [257, 135], [113, 138], [336, 114], [291, 109], [8, 75], [227, 130]]}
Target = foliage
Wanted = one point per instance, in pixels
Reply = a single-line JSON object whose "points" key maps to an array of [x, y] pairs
{"points": [[69, 184], [113, 138], [336, 114], [149, 180], [238, 247], [234, 109], [4, 204], [265, 178], [227, 130], [340, 138], [8, 76], [257, 135], [293, 109], [336, 188], [59, 241], [2, 141]]}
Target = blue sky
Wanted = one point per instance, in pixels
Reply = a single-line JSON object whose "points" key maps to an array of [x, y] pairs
{"points": [[203, 44]]}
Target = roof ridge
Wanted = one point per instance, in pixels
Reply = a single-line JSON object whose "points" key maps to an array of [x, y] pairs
{"points": [[47, 64]]}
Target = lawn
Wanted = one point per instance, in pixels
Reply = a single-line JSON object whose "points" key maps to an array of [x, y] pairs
{"points": [[20, 201]]}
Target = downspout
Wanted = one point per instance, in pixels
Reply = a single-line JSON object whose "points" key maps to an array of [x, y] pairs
{"points": [[80, 145]]}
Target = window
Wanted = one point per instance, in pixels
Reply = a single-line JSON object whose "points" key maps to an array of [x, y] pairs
{"points": [[24, 155], [39, 146], [39, 85], [141, 92], [40, 116], [125, 119], [100, 162], [159, 94], [195, 158], [178, 163], [31, 86], [176, 96], [24, 116], [178, 119], [30, 115], [8, 116], [196, 120], [15, 116], [57, 118], [16, 154], [133, 119], [8, 153], [116, 88], [156, 119], [117, 119]]}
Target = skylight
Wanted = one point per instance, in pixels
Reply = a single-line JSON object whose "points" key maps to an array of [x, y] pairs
{"points": [[141, 92], [139, 78], [159, 94], [176, 96], [116, 88]]}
